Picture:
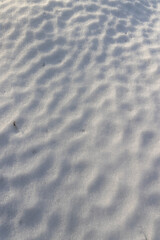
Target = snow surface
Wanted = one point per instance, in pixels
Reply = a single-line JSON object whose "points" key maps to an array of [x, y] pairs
{"points": [[80, 120]]}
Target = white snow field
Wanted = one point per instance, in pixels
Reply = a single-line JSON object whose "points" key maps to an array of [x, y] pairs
{"points": [[80, 120]]}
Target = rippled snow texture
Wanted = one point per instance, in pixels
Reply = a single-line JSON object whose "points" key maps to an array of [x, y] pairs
{"points": [[80, 120]]}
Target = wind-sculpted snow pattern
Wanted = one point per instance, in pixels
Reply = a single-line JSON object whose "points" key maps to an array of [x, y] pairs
{"points": [[80, 120]]}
